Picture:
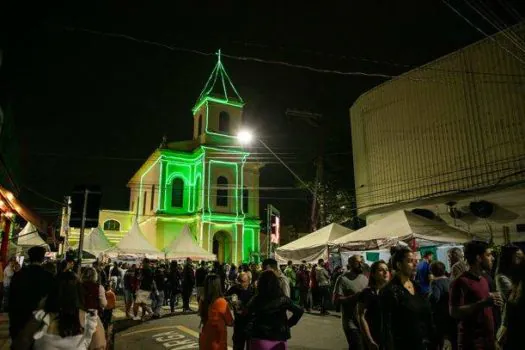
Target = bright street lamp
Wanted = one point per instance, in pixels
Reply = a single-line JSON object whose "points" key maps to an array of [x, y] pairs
{"points": [[245, 137]]}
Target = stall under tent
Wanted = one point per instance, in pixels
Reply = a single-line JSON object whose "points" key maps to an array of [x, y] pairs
{"points": [[184, 246], [29, 237], [95, 242], [313, 246], [401, 226], [134, 243]]}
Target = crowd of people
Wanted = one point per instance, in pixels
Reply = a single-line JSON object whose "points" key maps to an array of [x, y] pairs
{"points": [[400, 304]]}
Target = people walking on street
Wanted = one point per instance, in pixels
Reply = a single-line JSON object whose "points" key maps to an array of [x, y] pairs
{"points": [[289, 272], [269, 325], [471, 301], [406, 317], [94, 293], [347, 289], [9, 271], [215, 315], [507, 272], [188, 282], [271, 265], [303, 285], [423, 275], [64, 323], [130, 287], [143, 295], [510, 335], [368, 307], [323, 286], [174, 285], [160, 284], [243, 292], [29, 287], [439, 300], [457, 263]]}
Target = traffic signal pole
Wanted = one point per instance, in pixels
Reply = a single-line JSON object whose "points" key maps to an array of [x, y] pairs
{"points": [[82, 229]]}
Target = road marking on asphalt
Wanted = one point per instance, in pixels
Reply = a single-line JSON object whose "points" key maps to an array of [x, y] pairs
{"points": [[175, 340], [145, 330], [193, 333]]}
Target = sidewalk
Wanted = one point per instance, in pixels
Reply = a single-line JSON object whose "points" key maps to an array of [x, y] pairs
{"points": [[5, 342]]}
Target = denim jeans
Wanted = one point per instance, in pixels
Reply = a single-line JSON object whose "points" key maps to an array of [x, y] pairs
{"points": [[158, 302]]}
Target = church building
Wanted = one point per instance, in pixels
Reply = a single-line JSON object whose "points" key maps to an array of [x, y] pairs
{"points": [[207, 183]]}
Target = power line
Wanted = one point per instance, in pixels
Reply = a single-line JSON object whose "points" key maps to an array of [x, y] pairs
{"points": [[240, 58], [492, 38], [497, 23]]}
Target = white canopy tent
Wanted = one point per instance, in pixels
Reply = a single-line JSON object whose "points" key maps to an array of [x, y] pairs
{"points": [[313, 246], [29, 237], [134, 243], [402, 226], [95, 242], [185, 246]]}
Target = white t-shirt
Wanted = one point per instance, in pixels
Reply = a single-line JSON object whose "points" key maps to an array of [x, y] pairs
{"points": [[8, 275]]}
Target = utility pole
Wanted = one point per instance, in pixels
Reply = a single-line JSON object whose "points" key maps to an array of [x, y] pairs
{"points": [[82, 229], [315, 120]]}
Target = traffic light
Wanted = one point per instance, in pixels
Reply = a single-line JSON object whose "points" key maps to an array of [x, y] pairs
{"points": [[94, 196]]}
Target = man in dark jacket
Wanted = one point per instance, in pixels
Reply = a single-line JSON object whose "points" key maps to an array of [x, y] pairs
{"points": [[243, 293], [188, 281], [28, 288]]}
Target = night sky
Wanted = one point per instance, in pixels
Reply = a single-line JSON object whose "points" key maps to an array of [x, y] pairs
{"points": [[89, 108]]}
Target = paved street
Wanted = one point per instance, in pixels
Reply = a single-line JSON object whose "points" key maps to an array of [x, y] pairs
{"points": [[181, 332]]}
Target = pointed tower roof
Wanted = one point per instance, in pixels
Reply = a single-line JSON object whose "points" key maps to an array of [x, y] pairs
{"points": [[219, 87]]}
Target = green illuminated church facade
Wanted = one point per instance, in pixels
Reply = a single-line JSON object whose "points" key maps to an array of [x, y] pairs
{"points": [[207, 183]]}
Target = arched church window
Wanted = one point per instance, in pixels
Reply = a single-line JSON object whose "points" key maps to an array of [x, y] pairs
{"points": [[200, 125], [177, 193], [111, 225], [245, 200], [224, 122], [222, 191]]}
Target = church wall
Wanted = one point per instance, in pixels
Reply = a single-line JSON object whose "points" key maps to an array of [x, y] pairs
{"points": [[230, 170]]}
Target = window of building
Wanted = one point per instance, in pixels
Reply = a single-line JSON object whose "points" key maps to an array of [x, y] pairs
{"points": [[177, 193], [111, 225], [222, 191], [198, 193], [144, 202], [245, 200], [224, 122], [152, 205], [199, 129]]}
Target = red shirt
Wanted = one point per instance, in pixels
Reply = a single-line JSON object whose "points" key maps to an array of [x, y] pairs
{"points": [[477, 330]]}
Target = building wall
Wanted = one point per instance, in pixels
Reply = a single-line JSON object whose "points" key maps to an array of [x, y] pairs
{"points": [[457, 123], [124, 218], [452, 130]]}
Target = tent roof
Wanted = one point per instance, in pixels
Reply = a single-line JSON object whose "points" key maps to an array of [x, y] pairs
{"points": [[185, 246], [317, 238], [402, 225], [95, 242], [134, 242], [29, 237]]}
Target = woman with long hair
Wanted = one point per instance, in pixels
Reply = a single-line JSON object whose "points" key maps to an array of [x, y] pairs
{"points": [[94, 293], [507, 275], [215, 316], [269, 325], [510, 334], [64, 323], [406, 317], [368, 310]]}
